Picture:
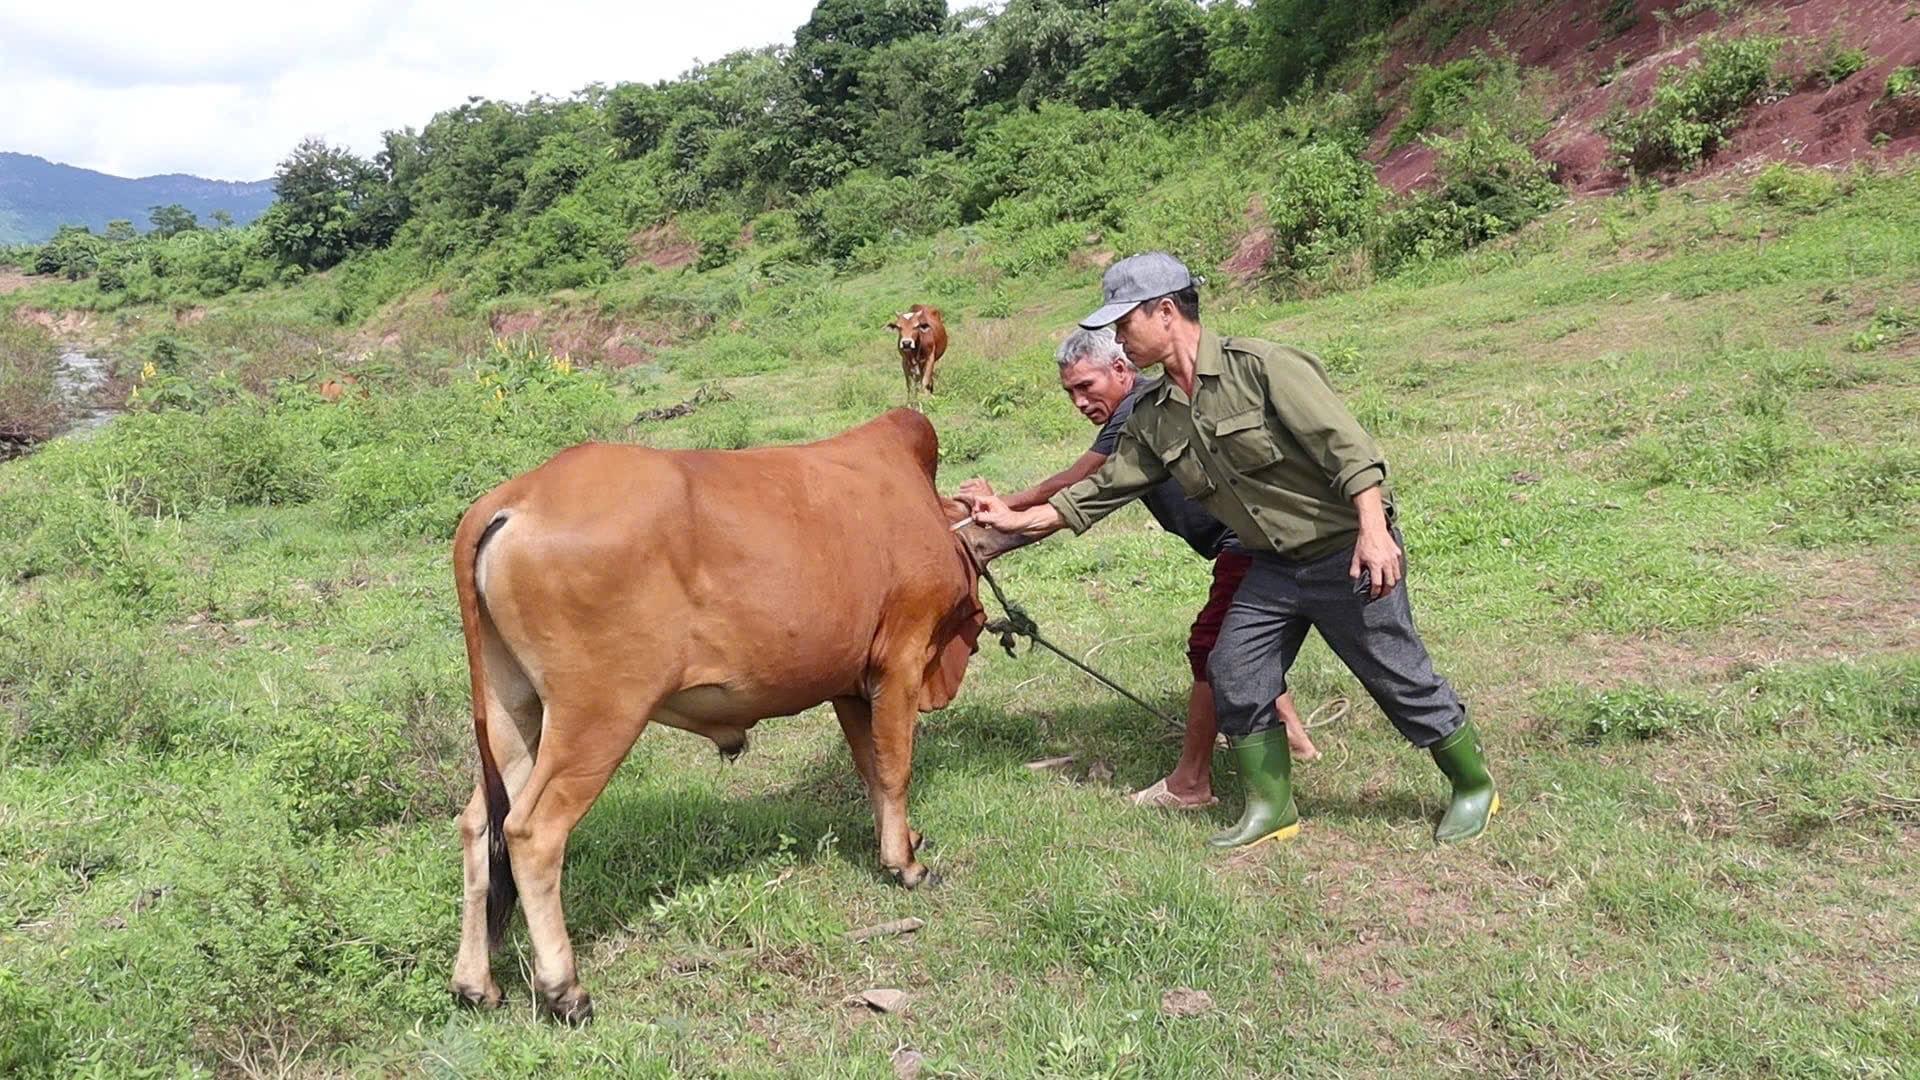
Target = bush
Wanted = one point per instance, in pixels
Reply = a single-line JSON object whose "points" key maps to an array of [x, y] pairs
{"points": [[76, 687], [507, 414], [1796, 188], [1439, 95], [1694, 108], [867, 210], [286, 944], [1903, 82], [340, 772], [30, 405], [1633, 713], [1490, 185]]}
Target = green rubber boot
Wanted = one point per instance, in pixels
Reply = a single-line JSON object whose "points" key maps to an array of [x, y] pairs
{"points": [[1266, 769], [1474, 800]]}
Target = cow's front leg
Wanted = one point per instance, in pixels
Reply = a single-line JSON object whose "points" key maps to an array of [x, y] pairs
{"points": [[893, 718]]}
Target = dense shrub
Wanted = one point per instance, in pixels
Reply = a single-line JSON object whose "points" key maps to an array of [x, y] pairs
{"points": [[1694, 108], [340, 771], [1795, 187], [869, 209], [1489, 186], [30, 405]]}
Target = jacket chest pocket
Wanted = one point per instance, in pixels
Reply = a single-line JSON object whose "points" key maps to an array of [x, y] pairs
{"points": [[1184, 465], [1244, 441]]}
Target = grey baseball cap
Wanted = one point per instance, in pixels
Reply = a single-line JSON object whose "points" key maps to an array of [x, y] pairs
{"points": [[1135, 279]]}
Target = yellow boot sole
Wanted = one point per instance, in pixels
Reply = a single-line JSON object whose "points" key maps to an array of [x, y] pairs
{"points": [[1282, 834]]}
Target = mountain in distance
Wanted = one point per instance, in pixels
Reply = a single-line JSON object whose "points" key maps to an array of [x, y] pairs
{"points": [[38, 196]]}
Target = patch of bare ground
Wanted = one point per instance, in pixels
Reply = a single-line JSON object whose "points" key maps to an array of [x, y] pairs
{"points": [[12, 281], [584, 336], [64, 323], [1832, 606], [663, 247]]}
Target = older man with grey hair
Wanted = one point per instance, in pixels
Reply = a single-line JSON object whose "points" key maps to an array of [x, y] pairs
{"points": [[1103, 384]]}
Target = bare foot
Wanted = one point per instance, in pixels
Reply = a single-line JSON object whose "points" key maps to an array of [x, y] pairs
{"points": [[1300, 744]]}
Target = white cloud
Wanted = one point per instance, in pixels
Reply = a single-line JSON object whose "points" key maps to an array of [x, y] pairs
{"points": [[224, 89]]}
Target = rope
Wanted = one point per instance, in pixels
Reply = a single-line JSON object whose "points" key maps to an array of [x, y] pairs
{"points": [[1327, 713], [1019, 624]]}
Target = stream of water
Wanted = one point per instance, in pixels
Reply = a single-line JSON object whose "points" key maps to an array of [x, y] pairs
{"points": [[79, 380]]}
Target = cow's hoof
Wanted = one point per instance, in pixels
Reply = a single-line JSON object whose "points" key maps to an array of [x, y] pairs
{"points": [[483, 997], [914, 876], [572, 1006]]}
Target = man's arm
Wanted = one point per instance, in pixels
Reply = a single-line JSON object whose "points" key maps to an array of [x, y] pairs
{"points": [[1125, 474], [1084, 466], [1320, 421]]}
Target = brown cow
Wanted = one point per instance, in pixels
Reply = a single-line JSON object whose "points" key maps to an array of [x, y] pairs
{"points": [[706, 590], [335, 389], [923, 341]]}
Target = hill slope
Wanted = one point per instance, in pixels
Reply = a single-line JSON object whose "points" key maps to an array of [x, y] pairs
{"points": [[38, 196]]}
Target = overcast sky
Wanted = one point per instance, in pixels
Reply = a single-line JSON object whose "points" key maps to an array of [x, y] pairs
{"points": [[225, 89]]}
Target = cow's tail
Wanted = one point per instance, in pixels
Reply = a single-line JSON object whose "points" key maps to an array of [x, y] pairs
{"points": [[475, 529]]}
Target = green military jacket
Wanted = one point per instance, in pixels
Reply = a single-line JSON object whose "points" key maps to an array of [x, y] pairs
{"points": [[1264, 445]]}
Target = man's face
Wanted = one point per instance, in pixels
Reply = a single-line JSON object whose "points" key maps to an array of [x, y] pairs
{"points": [[1097, 387], [1146, 333]]}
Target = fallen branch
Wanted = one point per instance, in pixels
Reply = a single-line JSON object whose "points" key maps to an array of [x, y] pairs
{"points": [[886, 929]]}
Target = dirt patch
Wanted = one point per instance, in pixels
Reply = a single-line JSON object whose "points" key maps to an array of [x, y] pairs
{"points": [[12, 281], [64, 323], [187, 316], [584, 337], [1091, 259], [1597, 72], [1834, 608], [662, 246]]}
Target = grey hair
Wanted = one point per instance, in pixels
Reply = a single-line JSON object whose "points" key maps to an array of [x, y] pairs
{"points": [[1096, 345]]}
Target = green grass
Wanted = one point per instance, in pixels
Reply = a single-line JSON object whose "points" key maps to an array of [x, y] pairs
{"points": [[1661, 521]]}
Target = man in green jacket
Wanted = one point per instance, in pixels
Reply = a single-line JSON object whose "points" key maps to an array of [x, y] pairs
{"points": [[1254, 433]]}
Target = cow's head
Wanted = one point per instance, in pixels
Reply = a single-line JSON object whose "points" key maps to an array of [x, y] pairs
{"points": [[914, 329]]}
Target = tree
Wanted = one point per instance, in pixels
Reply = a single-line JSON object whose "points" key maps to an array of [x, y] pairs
{"points": [[637, 115], [221, 219], [1152, 56], [830, 53], [321, 192], [120, 231], [172, 220], [74, 252]]}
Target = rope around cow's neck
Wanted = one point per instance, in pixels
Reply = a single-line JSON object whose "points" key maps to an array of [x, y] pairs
{"points": [[1020, 624]]}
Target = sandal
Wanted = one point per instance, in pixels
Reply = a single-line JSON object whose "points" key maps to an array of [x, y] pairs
{"points": [[1159, 798]]}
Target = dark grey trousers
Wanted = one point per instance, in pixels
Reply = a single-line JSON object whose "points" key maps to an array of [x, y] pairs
{"points": [[1278, 601]]}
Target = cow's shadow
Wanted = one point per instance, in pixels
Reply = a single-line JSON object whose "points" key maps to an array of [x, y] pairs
{"points": [[644, 844]]}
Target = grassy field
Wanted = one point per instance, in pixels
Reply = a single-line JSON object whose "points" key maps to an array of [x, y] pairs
{"points": [[1660, 476]]}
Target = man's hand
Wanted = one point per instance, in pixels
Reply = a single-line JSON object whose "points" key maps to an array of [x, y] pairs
{"points": [[988, 509], [1376, 554], [975, 488], [993, 512], [1379, 557]]}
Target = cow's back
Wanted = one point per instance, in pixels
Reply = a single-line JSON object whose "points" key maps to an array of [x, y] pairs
{"points": [[767, 572]]}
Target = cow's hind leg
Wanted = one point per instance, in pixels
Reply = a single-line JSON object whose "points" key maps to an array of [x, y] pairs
{"points": [[580, 747], [513, 731], [894, 713]]}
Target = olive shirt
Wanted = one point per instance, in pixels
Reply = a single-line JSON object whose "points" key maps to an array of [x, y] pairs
{"points": [[1264, 445]]}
